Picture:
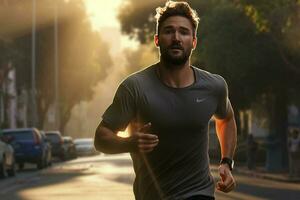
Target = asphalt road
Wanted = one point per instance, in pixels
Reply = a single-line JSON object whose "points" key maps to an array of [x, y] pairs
{"points": [[110, 178]]}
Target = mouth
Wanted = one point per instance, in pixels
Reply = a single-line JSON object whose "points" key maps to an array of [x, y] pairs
{"points": [[175, 52], [176, 48]]}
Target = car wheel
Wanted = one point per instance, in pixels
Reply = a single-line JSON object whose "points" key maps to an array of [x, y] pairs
{"points": [[12, 170], [21, 166], [40, 164], [3, 169], [49, 160], [45, 162]]}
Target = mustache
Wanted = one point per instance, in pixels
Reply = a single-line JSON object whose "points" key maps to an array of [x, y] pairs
{"points": [[176, 46]]}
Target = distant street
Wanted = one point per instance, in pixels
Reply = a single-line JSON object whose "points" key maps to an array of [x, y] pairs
{"points": [[110, 178]]}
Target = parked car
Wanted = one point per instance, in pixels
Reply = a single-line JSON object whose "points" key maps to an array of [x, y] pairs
{"points": [[48, 149], [28, 146], [7, 158], [57, 142], [69, 148], [85, 146]]}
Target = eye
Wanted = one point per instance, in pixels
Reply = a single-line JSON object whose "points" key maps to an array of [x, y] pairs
{"points": [[184, 32], [168, 31]]}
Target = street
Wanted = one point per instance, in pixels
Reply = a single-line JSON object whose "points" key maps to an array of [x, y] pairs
{"points": [[107, 177]]}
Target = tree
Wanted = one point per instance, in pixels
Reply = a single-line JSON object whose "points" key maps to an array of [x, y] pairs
{"points": [[83, 60], [137, 19], [6, 53], [278, 20]]}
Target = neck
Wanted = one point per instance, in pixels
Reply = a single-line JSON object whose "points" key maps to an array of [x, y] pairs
{"points": [[176, 76], [174, 67]]}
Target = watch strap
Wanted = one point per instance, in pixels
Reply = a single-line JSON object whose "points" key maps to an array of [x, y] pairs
{"points": [[227, 161]]}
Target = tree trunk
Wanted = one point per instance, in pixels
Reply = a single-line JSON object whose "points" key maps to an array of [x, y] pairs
{"points": [[281, 124], [277, 154], [65, 116]]}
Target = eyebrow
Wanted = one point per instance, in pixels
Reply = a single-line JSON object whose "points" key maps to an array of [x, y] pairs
{"points": [[172, 27]]}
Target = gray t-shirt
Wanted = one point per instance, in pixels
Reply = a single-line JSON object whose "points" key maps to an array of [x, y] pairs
{"points": [[178, 167]]}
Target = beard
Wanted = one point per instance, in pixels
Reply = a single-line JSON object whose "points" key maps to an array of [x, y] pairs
{"points": [[175, 61]]}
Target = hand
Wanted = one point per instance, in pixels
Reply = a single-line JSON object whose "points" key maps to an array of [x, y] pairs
{"points": [[227, 182], [146, 141]]}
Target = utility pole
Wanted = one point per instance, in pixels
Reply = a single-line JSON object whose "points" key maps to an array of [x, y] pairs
{"points": [[33, 65], [56, 67]]}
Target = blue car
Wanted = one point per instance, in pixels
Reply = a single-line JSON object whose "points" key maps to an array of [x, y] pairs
{"points": [[28, 145]]}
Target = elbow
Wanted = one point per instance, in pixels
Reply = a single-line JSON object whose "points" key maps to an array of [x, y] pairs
{"points": [[96, 145], [98, 141], [101, 141]]}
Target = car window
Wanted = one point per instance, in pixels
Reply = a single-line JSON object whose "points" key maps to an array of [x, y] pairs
{"points": [[20, 135], [53, 138], [67, 141], [84, 142]]}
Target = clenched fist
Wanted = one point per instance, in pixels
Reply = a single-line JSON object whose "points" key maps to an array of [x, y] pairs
{"points": [[145, 140]]}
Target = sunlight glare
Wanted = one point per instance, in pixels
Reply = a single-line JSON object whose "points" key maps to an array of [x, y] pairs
{"points": [[123, 134], [103, 15]]}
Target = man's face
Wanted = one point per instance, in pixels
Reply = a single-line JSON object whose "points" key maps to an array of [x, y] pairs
{"points": [[176, 40]]}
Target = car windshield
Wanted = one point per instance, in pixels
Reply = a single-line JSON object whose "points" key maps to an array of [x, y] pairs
{"points": [[20, 135], [53, 137]]}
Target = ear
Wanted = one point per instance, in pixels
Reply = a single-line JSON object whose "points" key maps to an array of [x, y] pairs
{"points": [[194, 42], [156, 40]]}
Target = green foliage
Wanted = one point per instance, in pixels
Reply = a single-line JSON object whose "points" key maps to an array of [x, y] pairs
{"points": [[229, 45], [137, 18], [280, 20]]}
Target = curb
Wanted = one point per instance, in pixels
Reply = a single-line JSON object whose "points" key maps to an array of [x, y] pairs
{"points": [[275, 176]]}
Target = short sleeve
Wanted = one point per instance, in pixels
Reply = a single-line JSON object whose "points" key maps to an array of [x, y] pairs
{"points": [[122, 110], [223, 100]]}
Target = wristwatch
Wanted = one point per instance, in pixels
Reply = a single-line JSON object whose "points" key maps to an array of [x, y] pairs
{"points": [[227, 161]]}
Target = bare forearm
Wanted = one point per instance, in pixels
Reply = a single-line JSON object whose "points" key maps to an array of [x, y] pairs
{"points": [[108, 142], [227, 134]]}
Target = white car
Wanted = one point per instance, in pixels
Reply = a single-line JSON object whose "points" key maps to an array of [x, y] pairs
{"points": [[7, 159], [85, 146]]}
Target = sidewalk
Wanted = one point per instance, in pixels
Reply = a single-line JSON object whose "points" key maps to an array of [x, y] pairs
{"points": [[260, 172]]}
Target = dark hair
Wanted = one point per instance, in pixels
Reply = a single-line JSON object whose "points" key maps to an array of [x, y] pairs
{"points": [[173, 8]]}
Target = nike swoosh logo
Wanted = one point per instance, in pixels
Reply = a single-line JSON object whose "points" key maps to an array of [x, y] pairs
{"points": [[200, 100]]}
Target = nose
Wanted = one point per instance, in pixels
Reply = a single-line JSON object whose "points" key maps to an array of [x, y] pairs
{"points": [[176, 36]]}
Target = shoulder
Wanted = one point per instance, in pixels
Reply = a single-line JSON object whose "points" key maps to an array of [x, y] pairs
{"points": [[214, 80], [138, 79]]}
